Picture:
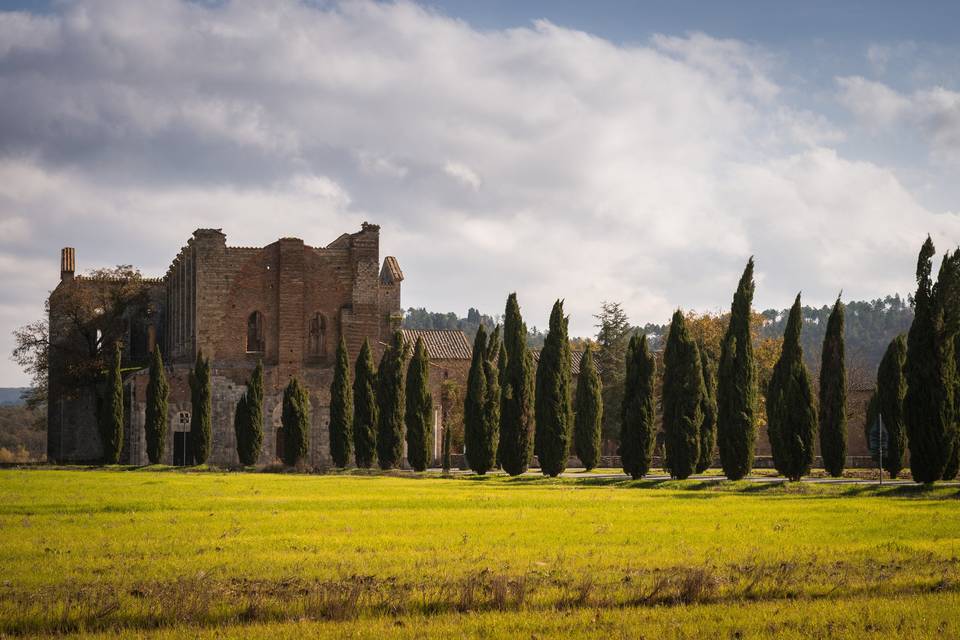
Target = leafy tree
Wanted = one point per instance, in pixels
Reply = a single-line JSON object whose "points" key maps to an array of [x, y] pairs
{"points": [[588, 417], [516, 394], [296, 423], [84, 318], [792, 418], [638, 416], [248, 420], [390, 408], [683, 394], [737, 386], [200, 415], [341, 408], [419, 409], [111, 413], [708, 427], [931, 368], [364, 408], [552, 402], [891, 390], [155, 424], [613, 334], [833, 395]]}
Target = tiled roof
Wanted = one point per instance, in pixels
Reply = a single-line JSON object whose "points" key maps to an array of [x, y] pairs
{"points": [[391, 273], [442, 344], [575, 358]]}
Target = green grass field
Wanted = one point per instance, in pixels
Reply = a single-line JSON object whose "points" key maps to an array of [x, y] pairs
{"points": [[180, 554]]}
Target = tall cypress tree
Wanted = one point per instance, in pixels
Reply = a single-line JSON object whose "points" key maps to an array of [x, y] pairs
{"points": [[891, 390], [296, 423], [155, 425], [931, 368], [390, 403], [501, 369], [419, 408], [445, 453], [638, 428], [737, 385], [708, 427], [588, 416], [683, 394], [111, 412], [341, 408], [791, 416], [491, 405], [833, 395], [364, 408], [516, 393], [248, 420], [473, 406], [552, 403], [953, 460], [241, 428], [200, 416]]}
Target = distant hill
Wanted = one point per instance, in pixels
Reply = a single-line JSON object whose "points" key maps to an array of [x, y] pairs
{"points": [[11, 395]]}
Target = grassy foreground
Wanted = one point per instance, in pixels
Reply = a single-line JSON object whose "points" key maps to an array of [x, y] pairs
{"points": [[174, 554]]}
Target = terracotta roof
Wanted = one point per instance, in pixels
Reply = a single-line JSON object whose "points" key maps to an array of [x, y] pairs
{"points": [[442, 344], [391, 273], [575, 358]]}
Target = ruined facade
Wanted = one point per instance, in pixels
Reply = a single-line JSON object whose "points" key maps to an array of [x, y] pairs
{"points": [[286, 304]]}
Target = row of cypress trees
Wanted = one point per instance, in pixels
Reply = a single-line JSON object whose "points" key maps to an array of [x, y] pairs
{"points": [[383, 409]]}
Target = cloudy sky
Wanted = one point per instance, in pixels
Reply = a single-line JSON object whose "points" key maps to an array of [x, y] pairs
{"points": [[589, 151]]}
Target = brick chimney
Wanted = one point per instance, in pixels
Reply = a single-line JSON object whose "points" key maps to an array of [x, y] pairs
{"points": [[68, 263]]}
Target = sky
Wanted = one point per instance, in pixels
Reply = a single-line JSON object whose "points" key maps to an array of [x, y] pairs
{"points": [[608, 151]]}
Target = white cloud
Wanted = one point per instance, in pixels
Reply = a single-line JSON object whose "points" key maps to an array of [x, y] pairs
{"points": [[934, 113], [542, 159]]}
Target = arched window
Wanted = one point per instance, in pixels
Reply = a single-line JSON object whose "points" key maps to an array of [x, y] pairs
{"points": [[318, 335], [255, 332]]}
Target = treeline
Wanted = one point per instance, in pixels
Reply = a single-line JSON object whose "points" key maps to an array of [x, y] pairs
{"points": [[422, 319]]}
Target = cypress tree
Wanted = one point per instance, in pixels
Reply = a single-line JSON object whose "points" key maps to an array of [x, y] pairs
{"points": [[111, 412], [419, 408], [708, 428], [241, 428], [446, 450], [891, 389], [296, 423], [155, 425], [516, 393], [953, 460], [390, 403], [872, 414], [200, 416], [791, 416], [638, 417], [552, 405], [341, 408], [833, 395], [501, 369], [737, 385], [364, 409], [248, 420], [473, 406], [491, 408], [588, 418], [931, 368], [683, 394]]}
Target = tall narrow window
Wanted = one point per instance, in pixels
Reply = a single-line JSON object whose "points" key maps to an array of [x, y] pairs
{"points": [[255, 332], [318, 335]]}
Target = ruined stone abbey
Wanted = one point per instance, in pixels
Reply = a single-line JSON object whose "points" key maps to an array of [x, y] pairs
{"points": [[286, 304]]}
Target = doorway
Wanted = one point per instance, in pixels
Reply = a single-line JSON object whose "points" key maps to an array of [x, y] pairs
{"points": [[182, 452]]}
